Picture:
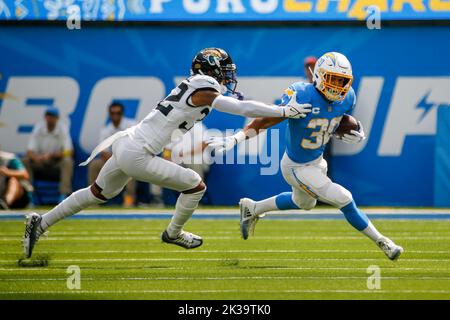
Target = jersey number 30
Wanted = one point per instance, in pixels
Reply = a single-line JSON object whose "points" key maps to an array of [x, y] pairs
{"points": [[321, 136]]}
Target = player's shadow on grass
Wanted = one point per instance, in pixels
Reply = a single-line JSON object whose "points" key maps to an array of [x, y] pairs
{"points": [[235, 263], [41, 260], [229, 263]]}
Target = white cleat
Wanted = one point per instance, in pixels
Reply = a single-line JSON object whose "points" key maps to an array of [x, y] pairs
{"points": [[249, 218], [185, 239], [32, 233], [391, 250]]}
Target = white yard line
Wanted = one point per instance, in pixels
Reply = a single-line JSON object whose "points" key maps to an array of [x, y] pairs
{"points": [[235, 211], [315, 238], [225, 278], [15, 234], [121, 292], [43, 269], [281, 251], [227, 251], [112, 233], [228, 259]]}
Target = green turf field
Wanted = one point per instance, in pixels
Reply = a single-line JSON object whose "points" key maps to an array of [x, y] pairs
{"points": [[295, 259]]}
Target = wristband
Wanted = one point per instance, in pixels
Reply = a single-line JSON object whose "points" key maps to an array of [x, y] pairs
{"points": [[239, 137]]}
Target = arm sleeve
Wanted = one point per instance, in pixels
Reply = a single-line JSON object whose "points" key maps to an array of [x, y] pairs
{"points": [[247, 108]]}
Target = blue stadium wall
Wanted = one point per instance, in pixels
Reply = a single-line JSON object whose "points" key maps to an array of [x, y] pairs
{"points": [[402, 76]]}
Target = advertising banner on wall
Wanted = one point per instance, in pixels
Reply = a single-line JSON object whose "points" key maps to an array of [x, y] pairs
{"points": [[223, 10]]}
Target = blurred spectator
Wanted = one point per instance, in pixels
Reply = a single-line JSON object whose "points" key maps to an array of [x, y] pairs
{"points": [[49, 154], [309, 64], [14, 185], [117, 123]]}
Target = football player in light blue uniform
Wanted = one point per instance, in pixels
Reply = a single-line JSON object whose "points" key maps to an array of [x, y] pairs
{"points": [[331, 97], [313, 132]]}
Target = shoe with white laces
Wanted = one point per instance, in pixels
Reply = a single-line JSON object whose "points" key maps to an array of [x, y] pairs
{"points": [[33, 231], [184, 239], [391, 250], [249, 218]]}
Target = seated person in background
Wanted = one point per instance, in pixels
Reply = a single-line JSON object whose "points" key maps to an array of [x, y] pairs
{"points": [[117, 123], [14, 184], [49, 154]]}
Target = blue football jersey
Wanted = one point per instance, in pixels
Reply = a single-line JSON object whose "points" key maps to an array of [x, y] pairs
{"points": [[307, 137]]}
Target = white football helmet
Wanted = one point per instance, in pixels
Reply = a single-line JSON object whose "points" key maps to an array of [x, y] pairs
{"points": [[333, 76]]}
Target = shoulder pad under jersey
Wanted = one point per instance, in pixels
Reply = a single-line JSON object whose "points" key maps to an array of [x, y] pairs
{"points": [[203, 82]]}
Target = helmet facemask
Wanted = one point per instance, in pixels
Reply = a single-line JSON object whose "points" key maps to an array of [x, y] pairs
{"points": [[228, 69], [334, 86], [229, 77]]}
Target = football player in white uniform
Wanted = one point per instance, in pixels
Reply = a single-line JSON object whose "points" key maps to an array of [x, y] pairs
{"points": [[135, 150]]}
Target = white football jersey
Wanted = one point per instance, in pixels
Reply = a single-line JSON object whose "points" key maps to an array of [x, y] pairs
{"points": [[173, 113]]}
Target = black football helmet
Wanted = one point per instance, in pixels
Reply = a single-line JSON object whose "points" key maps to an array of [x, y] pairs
{"points": [[217, 63]]}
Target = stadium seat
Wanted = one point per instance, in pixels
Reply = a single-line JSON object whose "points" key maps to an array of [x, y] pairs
{"points": [[46, 192]]}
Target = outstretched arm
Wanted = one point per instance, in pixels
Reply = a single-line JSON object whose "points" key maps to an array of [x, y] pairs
{"points": [[258, 124], [248, 108], [223, 144]]}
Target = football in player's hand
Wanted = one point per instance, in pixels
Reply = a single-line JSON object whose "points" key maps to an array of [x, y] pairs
{"points": [[347, 124]]}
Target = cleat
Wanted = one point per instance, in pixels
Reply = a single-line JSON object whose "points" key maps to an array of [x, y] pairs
{"points": [[185, 239], [32, 233], [249, 218], [391, 250]]}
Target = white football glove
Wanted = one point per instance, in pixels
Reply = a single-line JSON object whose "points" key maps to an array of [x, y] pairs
{"points": [[295, 110], [355, 136], [222, 144]]}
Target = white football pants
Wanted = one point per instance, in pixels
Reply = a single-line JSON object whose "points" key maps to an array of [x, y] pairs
{"points": [[131, 160], [310, 183]]}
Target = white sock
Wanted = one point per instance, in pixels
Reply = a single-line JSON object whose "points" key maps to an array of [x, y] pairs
{"points": [[76, 202], [266, 205], [186, 204], [371, 232]]}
